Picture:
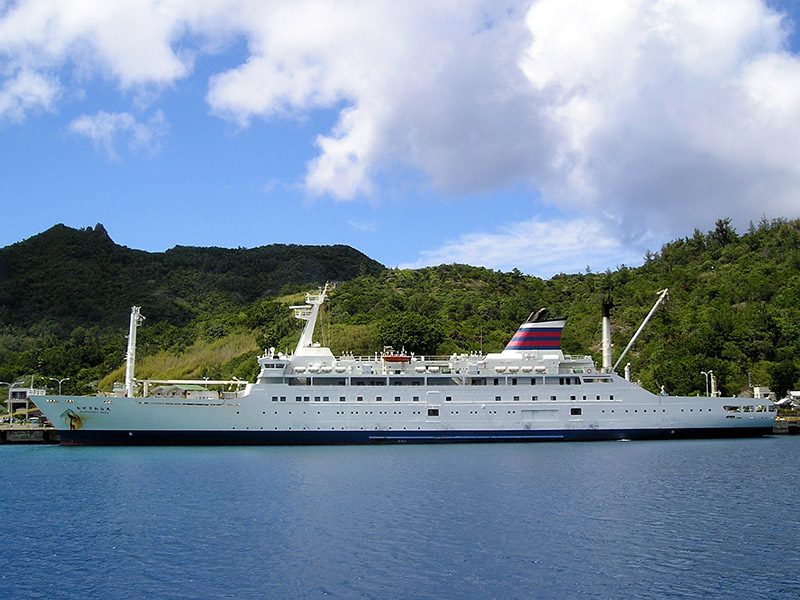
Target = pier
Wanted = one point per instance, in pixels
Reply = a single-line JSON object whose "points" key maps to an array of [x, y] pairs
{"points": [[22, 434], [787, 425]]}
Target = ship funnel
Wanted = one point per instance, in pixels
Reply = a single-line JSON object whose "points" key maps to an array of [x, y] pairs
{"points": [[537, 335]]}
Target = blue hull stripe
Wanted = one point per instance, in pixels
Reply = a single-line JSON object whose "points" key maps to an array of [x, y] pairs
{"points": [[293, 438]]}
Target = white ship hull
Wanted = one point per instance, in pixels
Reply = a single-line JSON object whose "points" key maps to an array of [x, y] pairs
{"points": [[529, 392], [399, 414]]}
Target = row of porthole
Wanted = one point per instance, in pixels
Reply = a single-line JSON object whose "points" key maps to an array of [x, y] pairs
{"points": [[663, 410], [510, 412], [319, 428], [416, 398], [338, 412]]}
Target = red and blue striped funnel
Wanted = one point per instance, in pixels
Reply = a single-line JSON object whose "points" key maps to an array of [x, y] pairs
{"points": [[539, 335]]}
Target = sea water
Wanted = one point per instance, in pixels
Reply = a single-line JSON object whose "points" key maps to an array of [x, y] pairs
{"points": [[674, 519]]}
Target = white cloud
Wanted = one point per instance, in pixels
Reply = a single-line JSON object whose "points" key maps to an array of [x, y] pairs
{"points": [[539, 247], [25, 91], [128, 40], [684, 117], [363, 225], [105, 129]]}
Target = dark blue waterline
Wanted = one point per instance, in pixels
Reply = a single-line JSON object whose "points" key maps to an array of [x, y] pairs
{"points": [[311, 438]]}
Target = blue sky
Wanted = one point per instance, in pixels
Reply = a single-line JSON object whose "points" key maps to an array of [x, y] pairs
{"points": [[547, 135]]}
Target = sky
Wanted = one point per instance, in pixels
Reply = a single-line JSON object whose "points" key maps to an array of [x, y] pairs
{"points": [[544, 135]]}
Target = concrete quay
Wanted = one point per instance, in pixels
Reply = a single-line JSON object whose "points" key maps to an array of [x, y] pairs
{"points": [[787, 426], [29, 435]]}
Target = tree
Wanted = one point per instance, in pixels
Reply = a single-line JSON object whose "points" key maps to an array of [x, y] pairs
{"points": [[783, 377], [723, 234], [414, 332]]}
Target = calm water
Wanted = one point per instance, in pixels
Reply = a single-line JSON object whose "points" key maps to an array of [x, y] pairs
{"points": [[676, 519]]}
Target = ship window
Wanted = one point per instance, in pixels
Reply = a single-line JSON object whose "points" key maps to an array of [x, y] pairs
{"points": [[298, 399], [572, 397], [359, 398], [748, 409], [732, 409], [415, 399], [378, 398], [514, 381], [397, 398], [496, 381], [611, 397], [306, 398], [274, 398], [433, 412], [448, 398], [516, 398], [478, 381], [441, 381], [325, 399], [552, 398], [316, 398], [761, 408], [575, 411], [283, 398], [497, 398], [534, 398], [342, 398]]}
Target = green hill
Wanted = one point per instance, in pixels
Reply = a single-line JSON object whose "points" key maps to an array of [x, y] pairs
{"points": [[71, 277], [734, 308]]}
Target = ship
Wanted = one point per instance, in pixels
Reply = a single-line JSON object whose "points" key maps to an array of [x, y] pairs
{"points": [[530, 391]]}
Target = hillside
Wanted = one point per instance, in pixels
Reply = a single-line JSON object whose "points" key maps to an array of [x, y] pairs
{"points": [[70, 277], [734, 308]]}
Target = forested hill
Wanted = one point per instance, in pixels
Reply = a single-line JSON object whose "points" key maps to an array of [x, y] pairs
{"points": [[734, 308], [79, 277]]}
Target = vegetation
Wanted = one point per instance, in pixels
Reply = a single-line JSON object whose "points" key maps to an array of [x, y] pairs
{"points": [[65, 296]]}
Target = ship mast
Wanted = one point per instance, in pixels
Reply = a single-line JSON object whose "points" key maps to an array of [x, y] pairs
{"points": [[308, 312], [130, 355]]}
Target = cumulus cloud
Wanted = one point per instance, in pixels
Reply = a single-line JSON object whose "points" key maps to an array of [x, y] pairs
{"points": [[25, 91], [128, 40], [421, 85], [685, 116], [106, 129]]}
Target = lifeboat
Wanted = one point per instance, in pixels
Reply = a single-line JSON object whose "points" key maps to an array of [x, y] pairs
{"points": [[390, 356]]}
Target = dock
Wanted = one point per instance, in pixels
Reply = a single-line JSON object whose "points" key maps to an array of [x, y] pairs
{"points": [[21, 434], [787, 426]]}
